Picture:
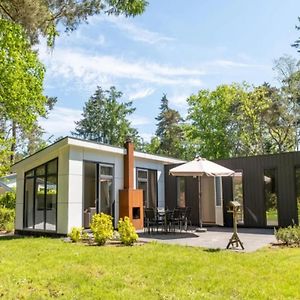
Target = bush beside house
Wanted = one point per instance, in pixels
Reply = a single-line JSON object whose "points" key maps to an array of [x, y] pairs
{"points": [[102, 228], [127, 232], [7, 211], [290, 235]]}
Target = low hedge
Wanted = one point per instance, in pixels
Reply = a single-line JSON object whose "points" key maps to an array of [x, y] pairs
{"points": [[8, 200], [289, 235]]}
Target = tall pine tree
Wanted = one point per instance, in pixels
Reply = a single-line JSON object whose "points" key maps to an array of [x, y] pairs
{"points": [[169, 131], [105, 119]]}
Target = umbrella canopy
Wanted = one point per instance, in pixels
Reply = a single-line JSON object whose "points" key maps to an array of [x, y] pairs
{"points": [[200, 167]]}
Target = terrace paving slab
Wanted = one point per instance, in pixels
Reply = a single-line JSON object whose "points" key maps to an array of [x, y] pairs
{"points": [[214, 238]]}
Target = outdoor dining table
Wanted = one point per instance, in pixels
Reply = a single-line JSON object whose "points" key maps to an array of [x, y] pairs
{"points": [[165, 215]]}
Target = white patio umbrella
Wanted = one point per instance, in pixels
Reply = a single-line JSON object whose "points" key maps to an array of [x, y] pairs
{"points": [[201, 167]]}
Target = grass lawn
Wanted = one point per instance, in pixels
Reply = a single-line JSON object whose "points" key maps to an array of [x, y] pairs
{"points": [[39, 268]]}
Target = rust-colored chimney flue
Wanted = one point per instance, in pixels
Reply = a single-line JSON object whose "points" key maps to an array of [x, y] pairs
{"points": [[130, 199], [128, 164]]}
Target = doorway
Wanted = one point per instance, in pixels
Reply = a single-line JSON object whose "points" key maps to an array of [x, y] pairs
{"points": [[98, 190]]}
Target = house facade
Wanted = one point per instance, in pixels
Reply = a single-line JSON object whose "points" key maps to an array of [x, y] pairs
{"points": [[267, 186], [63, 185]]}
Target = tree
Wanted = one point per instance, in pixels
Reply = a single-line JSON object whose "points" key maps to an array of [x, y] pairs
{"points": [[43, 17], [21, 85], [288, 70], [280, 120], [211, 129], [105, 119], [297, 42], [239, 120], [168, 131]]}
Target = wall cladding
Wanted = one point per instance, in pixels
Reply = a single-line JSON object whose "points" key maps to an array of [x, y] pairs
{"points": [[191, 193], [253, 185], [253, 188]]}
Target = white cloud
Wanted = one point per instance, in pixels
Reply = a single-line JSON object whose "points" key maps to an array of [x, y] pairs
{"points": [[179, 99], [136, 33], [225, 63], [141, 93], [61, 121], [90, 69]]}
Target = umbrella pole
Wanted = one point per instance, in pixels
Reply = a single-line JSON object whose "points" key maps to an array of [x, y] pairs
{"points": [[200, 201]]}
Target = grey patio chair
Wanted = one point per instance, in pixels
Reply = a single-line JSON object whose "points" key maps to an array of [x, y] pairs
{"points": [[176, 219], [150, 219]]}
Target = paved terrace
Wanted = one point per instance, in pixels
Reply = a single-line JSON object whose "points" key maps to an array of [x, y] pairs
{"points": [[213, 238]]}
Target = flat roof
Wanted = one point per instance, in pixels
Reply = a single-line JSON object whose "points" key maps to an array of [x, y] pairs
{"points": [[72, 141]]}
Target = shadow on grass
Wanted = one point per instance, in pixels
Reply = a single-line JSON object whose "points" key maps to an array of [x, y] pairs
{"points": [[10, 236], [212, 250]]}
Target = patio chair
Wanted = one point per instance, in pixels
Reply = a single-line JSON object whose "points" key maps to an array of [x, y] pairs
{"points": [[176, 219], [150, 219]]}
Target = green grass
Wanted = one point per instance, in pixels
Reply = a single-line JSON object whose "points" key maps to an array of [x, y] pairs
{"points": [[272, 216], [42, 268]]}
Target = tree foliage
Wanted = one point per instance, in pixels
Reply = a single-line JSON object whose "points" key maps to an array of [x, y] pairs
{"points": [[21, 88], [169, 133], [240, 120], [43, 17], [296, 44], [105, 119]]}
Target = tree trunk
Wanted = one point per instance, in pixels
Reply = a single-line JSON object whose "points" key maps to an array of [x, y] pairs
{"points": [[14, 142]]}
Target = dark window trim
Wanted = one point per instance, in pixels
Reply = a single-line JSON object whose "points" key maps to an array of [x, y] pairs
{"points": [[295, 191], [98, 165], [145, 169], [277, 194], [177, 189], [243, 194]]}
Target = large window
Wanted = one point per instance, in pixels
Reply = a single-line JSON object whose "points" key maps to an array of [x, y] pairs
{"points": [[271, 197], [238, 194], [180, 192], [147, 181], [40, 197], [297, 178]]}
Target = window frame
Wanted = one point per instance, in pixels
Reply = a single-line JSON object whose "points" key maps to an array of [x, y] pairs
{"points": [[34, 176], [146, 180]]}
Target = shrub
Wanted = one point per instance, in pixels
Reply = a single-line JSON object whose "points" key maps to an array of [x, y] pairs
{"points": [[7, 219], [8, 200], [102, 228], [127, 232], [76, 234], [289, 235]]}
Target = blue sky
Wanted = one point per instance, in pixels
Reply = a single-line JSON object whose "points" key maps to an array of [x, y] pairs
{"points": [[176, 47]]}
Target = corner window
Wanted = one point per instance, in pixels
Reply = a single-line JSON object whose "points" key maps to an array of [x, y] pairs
{"points": [[40, 197]]}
